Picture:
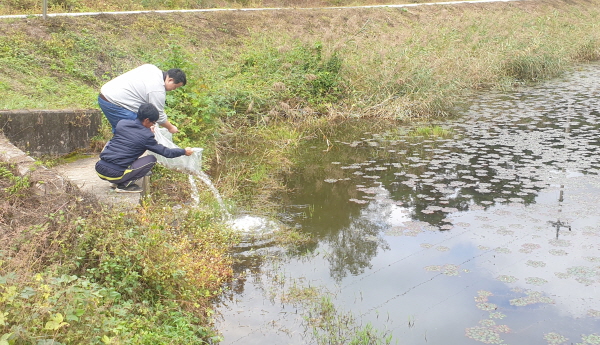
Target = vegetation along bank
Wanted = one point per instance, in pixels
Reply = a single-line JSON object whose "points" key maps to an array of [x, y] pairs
{"points": [[258, 83]]}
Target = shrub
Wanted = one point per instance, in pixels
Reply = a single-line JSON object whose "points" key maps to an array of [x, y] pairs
{"points": [[66, 309]]}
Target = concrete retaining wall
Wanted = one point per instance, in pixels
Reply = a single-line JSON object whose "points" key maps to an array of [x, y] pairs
{"points": [[55, 132]]}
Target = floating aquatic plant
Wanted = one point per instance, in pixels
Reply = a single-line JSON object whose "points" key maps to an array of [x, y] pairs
{"points": [[483, 294], [497, 315], [529, 247], [561, 275], [488, 332], [584, 275], [449, 269], [433, 268], [533, 263], [533, 297], [559, 243], [592, 339], [507, 279], [487, 306], [555, 338], [535, 281], [594, 313]]}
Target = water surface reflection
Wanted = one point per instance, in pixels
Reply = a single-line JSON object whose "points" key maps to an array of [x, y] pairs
{"points": [[489, 234]]}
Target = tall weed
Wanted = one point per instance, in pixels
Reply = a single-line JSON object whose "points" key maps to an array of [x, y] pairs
{"points": [[144, 257]]}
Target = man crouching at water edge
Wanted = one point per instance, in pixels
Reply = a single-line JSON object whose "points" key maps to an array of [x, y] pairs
{"points": [[120, 161]]}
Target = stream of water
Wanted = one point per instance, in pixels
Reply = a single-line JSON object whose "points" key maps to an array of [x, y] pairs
{"points": [[487, 234]]}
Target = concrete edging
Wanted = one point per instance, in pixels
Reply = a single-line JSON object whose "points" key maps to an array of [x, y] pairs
{"points": [[47, 181]]}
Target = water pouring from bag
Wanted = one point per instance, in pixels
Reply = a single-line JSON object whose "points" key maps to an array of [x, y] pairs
{"points": [[189, 164], [192, 165]]}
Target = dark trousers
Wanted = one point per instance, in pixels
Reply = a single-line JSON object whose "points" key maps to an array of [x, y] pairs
{"points": [[124, 178]]}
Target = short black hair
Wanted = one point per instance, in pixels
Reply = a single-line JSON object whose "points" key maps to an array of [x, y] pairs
{"points": [[177, 75], [147, 111]]}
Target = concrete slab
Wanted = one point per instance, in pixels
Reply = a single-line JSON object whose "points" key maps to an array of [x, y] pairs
{"points": [[82, 174]]}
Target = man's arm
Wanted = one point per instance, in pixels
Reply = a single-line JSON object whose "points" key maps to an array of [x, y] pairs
{"points": [[157, 98], [170, 127], [154, 146]]}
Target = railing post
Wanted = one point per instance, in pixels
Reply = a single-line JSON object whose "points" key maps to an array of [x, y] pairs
{"points": [[45, 9], [145, 195]]}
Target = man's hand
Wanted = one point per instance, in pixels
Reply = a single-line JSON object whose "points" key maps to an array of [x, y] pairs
{"points": [[188, 151], [173, 129]]}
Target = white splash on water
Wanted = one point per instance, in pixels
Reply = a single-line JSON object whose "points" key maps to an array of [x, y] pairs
{"points": [[253, 225]]}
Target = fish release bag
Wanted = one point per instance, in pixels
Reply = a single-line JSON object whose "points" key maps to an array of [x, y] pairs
{"points": [[189, 164]]}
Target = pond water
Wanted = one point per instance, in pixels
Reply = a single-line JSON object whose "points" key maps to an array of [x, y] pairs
{"points": [[488, 232]]}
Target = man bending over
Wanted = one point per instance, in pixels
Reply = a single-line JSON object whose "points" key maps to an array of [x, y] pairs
{"points": [[120, 161], [121, 97]]}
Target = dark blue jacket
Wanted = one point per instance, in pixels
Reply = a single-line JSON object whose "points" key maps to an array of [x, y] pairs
{"points": [[130, 141]]}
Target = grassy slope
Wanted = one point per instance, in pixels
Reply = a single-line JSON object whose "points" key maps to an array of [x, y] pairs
{"points": [[393, 62]]}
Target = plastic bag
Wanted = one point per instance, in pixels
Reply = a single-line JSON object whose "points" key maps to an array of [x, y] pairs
{"points": [[190, 164]]}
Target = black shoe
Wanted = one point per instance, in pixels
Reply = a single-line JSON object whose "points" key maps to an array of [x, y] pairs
{"points": [[132, 188]]}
